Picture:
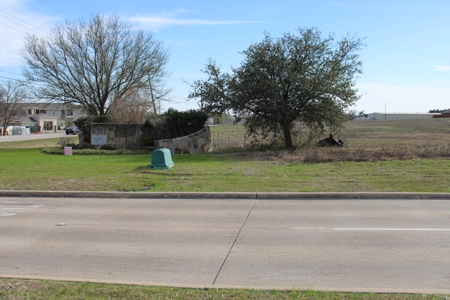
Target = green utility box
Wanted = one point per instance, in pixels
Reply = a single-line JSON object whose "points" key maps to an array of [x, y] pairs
{"points": [[161, 159]]}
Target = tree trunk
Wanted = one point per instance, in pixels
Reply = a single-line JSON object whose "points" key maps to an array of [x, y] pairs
{"points": [[151, 94], [153, 98], [287, 137]]}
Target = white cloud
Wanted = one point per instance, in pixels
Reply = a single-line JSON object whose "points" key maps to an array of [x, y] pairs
{"points": [[402, 98], [442, 68], [161, 20]]}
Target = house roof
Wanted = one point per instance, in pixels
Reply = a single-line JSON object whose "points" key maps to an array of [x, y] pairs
{"points": [[49, 106], [33, 119], [23, 120]]}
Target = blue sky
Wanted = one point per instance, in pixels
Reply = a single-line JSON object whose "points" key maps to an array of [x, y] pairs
{"points": [[406, 62]]}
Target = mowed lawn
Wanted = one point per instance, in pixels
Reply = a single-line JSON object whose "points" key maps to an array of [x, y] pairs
{"points": [[23, 167]]}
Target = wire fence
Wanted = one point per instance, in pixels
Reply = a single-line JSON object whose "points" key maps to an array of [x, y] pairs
{"points": [[220, 141]]}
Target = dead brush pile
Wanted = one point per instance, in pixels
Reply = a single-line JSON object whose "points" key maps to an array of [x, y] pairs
{"points": [[358, 154]]}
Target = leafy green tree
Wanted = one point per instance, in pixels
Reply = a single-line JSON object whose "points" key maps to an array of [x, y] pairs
{"points": [[304, 77]]}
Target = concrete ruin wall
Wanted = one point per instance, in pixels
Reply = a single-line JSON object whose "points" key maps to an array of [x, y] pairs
{"points": [[198, 142]]}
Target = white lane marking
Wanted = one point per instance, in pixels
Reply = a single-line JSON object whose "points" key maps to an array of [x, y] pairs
{"points": [[392, 229], [15, 208], [11, 208], [18, 202], [372, 229], [3, 214]]}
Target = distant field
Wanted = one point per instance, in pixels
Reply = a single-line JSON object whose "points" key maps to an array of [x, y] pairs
{"points": [[365, 133], [404, 132], [363, 141]]}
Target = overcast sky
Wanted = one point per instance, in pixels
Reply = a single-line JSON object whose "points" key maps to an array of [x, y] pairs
{"points": [[406, 62]]}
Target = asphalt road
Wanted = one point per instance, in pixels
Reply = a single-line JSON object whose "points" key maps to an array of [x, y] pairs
{"points": [[345, 245], [26, 137]]}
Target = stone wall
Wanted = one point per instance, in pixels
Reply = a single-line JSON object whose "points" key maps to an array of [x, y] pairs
{"points": [[125, 134], [198, 142]]}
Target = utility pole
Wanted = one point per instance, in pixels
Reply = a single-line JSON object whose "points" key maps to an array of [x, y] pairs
{"points": [[151, 95], [201, 99], [65, 113], [385, 111]]}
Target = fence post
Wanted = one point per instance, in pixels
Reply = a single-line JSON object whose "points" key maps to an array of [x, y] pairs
{"points": [[218, 140]]}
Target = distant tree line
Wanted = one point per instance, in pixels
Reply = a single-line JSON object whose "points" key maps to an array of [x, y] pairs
{"points": [[437, 110]]}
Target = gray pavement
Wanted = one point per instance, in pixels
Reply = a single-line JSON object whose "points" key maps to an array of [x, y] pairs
{"points": [[400, 245], [26, 137]]}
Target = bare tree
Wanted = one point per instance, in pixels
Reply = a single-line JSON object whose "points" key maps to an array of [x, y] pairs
{"points": [[93, 63], [132, 109], [12, 96], [158, 91]]}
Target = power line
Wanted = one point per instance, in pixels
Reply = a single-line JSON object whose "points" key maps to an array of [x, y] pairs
{"points": [[21, 25], [13, 79], [23, 21], [23, 81], [10, 72], [12, 28]]}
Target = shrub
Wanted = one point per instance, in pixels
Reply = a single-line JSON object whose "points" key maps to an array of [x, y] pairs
{"points": [[66, 141], [84, 124], [108, 146], [183, 123], [84, 145], [146, 140], [60, 151], [174, 123]]}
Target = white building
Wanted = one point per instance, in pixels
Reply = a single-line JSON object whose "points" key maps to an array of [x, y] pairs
{"points": [[46, 117], [400, 116]]}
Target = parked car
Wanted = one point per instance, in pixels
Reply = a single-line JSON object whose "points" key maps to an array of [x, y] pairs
{"points": [[72, 130]]}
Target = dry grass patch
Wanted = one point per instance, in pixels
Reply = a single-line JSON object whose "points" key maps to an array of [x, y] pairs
{"points": [[363, 141]]}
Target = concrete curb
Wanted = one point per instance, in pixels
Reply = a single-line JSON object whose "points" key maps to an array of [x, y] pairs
{"points": [[238, 195]]}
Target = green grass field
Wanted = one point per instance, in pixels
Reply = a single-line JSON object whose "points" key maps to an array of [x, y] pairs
{"points": [[365, 164], [30, 169]]}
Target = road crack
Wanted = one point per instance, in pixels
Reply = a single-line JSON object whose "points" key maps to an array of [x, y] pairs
{"points": [[234, 242]]}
